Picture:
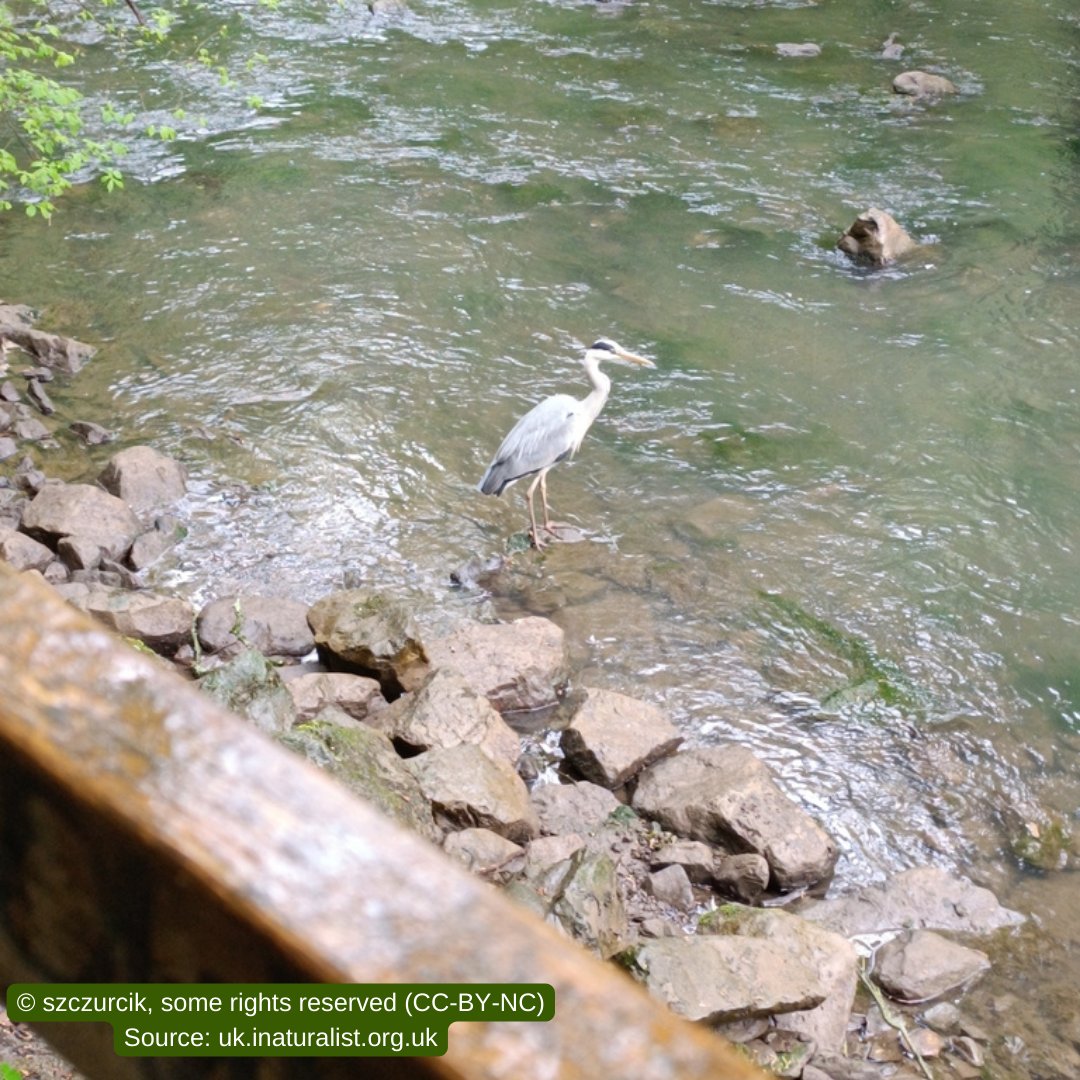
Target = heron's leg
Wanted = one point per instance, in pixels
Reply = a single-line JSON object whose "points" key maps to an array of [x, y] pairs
{"points": [[550, 526], [537, 542]]}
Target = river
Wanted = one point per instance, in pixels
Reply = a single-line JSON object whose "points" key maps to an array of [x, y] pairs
{"points": [[838, 522]]}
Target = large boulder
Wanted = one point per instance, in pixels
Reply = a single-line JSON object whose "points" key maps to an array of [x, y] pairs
{"points": [[875, 237], [369, 633], [365, 761], [726, 795], [518, 666], [144, 478], [446, 711], [271, 624], [466, 788], [918, 965], [84, 511], [925, 897], [719, 979], [163, 623], [831, 956], [357, 696], [613, 737]]}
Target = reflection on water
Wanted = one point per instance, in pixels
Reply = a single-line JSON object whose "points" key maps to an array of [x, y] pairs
{"points": [[837, 522]]}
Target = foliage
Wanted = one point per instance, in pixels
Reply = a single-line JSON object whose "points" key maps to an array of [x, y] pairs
{"points": [[49, 136], [7, 1072], [42, 141]]}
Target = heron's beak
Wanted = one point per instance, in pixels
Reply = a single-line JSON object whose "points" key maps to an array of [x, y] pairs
{"points": [[633, 358]]}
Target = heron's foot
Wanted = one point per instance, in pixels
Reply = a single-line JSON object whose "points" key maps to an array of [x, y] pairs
{"points": [[534, 536], [564, 532]]}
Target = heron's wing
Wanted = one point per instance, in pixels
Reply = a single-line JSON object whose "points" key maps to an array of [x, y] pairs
{"points": [[546, 434]]}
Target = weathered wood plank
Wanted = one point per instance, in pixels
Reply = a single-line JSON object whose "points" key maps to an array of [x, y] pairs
{"points": [[148, 836]]}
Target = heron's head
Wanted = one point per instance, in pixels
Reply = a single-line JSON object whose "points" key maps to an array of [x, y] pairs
{"points": [[606, 349]]}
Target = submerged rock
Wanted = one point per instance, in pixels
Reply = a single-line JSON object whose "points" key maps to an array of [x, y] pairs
{"points": [[919, 965], [370, 634], [923, 898], [149, 546], [53, 350], [611, 737], [875, 237], [798, 49], [725, 794], [519, 666]]}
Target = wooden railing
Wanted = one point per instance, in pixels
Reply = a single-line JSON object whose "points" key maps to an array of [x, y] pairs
{"points": [[148, 836]]}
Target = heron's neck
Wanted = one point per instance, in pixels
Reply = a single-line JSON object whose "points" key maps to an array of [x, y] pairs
{"points": [[601, 387]]}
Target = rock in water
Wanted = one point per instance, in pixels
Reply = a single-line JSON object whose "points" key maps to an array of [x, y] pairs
{"points": [[875, 237], [144, 478], [921, 84], [726, 793]]}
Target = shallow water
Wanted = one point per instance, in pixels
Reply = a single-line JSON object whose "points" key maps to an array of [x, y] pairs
{"points": [[837, 522]]}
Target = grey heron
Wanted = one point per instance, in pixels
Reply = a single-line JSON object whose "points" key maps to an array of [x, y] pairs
{"points": [[552, 432]]}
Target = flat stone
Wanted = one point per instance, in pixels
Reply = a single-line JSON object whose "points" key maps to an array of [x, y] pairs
{"points": [[612, 737], [831, 957], [272, 625], [8, 447], [468, 789], [919, 965], [144, 478], [720, 979], [545, 852], [798, 49], [359, 697], [22, 552], [718, 794], [519, 666], [573, 808], [81, 510], [445, 711], [925, 897]]}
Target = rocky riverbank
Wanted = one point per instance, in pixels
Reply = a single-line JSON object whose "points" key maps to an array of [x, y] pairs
{"points": [[687, 865]]}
